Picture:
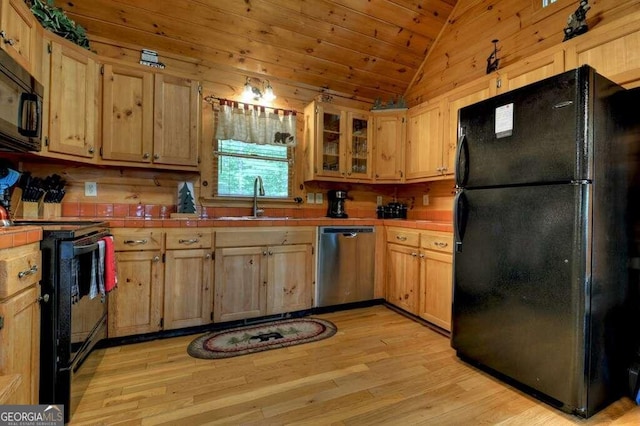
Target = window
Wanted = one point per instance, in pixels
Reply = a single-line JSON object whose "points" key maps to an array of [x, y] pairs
{"points": [[239, 163], [546, 3]]}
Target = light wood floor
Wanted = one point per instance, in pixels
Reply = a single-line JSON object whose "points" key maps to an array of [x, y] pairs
{"points": [[380, 368]]}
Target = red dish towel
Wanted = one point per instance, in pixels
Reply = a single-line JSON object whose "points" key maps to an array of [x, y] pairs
{"points": [[110, 277]]}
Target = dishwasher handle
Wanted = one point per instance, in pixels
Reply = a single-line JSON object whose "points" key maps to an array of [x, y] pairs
{"points": [[350, 234]]}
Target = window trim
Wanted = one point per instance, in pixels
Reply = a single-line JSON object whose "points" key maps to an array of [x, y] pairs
{"points": [[215, 197]]}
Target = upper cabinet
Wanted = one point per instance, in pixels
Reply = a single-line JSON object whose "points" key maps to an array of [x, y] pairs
{"points": [[18, 32], [337, 143], [388, 145], [149, 118], [425, 141], [71, 101]]}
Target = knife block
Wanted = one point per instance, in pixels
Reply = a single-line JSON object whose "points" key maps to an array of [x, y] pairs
{"points": [[49, 210], [27, 210]]}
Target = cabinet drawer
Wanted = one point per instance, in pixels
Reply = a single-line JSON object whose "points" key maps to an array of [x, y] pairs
{"points": [[137, 240], [251, 237], [188, 240], [439, 241], [405, 237], [19, 272]]}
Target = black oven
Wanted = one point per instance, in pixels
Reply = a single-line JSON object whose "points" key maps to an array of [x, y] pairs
{"points": [[74, 318]]}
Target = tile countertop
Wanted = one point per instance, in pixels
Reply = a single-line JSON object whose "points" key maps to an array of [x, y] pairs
{"points": [[14, 236], [273, 221]]}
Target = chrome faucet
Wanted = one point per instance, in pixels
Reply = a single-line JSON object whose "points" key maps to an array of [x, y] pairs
{"points": [[257, 183]]}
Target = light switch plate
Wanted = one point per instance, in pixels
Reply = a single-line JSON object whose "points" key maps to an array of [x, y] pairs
{"points": [[319, 198], [425, 200], [311, 198], [90, 189], [379, 200]]}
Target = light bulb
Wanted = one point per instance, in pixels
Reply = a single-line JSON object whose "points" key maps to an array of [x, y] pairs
{"points": [[268, 93]]}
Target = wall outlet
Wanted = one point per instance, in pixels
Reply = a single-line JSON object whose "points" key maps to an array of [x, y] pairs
{"points": [[319, 198], [90, 189], [311, 198], [379, 200], [425, 200]]}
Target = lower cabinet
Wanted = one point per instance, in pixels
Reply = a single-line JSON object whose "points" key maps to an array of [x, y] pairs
{"points": [[20, 269], [188, 279], [436, 288], [136, 304], [403, 268], [266, 279], [419, 274]]}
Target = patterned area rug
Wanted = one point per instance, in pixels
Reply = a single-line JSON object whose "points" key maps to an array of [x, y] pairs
{"points": [[260, 337]]}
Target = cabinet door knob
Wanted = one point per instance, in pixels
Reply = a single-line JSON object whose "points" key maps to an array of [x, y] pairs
{"points": [[264, 253], [207, 256], [91, 150], [270, 253], [10, 41], [146, 155], [29, 271], [156, 156], [43, 299], [156, 259], [414, 254]]}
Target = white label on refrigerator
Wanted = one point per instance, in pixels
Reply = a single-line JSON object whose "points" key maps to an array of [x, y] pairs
{"points": [[504, 121]]}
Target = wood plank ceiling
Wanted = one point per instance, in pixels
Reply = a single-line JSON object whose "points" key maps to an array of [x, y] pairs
{"points": [[357, 49]]}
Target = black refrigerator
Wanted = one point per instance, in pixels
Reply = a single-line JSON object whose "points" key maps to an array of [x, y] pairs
{"points": [[541, 247]]}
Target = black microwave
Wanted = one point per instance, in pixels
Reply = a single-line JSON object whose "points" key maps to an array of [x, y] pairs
{"points": [[20, 107]]}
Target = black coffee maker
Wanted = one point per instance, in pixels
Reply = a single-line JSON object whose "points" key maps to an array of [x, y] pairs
{"points": [[336, 200]]}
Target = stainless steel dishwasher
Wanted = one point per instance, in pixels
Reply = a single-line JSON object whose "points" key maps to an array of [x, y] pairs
{"points": [[346, 264]]}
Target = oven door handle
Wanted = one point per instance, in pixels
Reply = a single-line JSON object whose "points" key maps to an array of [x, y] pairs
{"points": [[78, 250]]}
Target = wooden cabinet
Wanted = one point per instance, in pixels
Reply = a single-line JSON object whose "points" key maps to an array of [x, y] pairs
{"points": [[20, 273], [18, 32], [289, 280], [436, 278], [403, 268], [71, 102], [530, 70], [127, 113], [419, 273], [425, 141], [388, 145], [613, 52], [337, 143], [263, 272], [240, 283], [188, 279], [149, 118], [136, 305]]}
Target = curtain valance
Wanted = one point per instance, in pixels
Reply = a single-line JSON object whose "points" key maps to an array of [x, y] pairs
{"points": [[256, 124]]}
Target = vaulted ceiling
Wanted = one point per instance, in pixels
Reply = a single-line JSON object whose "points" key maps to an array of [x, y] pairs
{"points": [[357, 49]]}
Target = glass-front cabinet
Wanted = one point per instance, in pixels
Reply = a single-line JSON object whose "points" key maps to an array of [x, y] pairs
{"points": [[359, 150], [332, 129], [337, 143]]}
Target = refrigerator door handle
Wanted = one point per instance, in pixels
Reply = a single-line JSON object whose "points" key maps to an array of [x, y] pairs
{"points": [[462, 163], [460, 219]]}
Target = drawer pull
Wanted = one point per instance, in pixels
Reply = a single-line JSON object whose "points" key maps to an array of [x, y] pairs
{"points": [[191, 241], [29, 271], [414, 254], [440, 244], [133, 242], [401, 238]]}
